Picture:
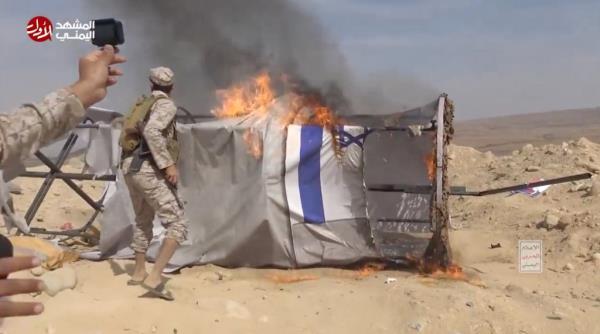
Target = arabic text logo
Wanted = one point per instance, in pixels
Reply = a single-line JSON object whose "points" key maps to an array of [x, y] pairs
{"points": [[39, 29], [530, 256]]}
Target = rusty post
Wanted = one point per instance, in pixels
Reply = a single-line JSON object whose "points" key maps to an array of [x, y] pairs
{"points": [[438, 254]]}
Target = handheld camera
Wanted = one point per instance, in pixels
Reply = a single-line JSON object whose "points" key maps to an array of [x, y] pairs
{"points": [[108, 31]]}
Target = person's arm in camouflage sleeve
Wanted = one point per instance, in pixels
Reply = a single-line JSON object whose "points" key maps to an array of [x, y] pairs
{"points": [[161, 115], [32, 126], [25, 130]]}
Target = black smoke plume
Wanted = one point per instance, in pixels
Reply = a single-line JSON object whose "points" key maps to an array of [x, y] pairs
{"points": [[211, 44]]}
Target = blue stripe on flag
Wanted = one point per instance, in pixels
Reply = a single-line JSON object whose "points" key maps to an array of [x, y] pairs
{"points": [[309, 174]]}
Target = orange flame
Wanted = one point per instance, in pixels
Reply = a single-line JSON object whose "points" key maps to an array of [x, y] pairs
{"points": [[435, 270], [254, 99], [370, 269], [430, 164], [253, 143], [453, 272], [251, 97]]}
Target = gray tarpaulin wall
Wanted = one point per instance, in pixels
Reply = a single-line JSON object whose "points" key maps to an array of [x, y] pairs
{"points": [[298, 204], [400, 221]]}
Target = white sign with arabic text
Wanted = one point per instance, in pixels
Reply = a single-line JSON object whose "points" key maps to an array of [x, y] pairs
{"points": [[530, 256]]}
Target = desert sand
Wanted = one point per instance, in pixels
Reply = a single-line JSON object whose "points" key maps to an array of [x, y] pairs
{"points": [[502, 135], [494, 297]]}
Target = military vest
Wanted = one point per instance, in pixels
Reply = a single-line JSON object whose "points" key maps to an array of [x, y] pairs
{"points": [[134, 123]]}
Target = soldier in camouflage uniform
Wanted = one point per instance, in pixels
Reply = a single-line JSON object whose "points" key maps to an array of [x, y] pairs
{"points": [[153, 187], [32, 126]]}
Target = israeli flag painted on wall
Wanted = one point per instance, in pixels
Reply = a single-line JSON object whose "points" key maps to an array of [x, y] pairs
{"points": [[321, 187]]}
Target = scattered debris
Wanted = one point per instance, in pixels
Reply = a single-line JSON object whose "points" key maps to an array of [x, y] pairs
{"points": [[538, 292], [222, 275], [556, 315], [577, 186], [498, 245], [594, 190], [66, 226], [532, 191], [532, 169], [52, 255], [390, 280], [550, 222], [59, 280], [419, 325], [469, 304], [568, 267], [477, 270]]}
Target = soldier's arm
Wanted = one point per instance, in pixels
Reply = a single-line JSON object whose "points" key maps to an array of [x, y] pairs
{"points": [[26, 129], [161, 116]]}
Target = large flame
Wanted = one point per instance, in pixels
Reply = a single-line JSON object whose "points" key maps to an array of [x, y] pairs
{"points": [[254, 99], [251, 97]]}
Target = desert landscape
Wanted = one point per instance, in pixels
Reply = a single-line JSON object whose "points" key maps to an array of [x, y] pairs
{"points": [[502, 135], [491, 296]]}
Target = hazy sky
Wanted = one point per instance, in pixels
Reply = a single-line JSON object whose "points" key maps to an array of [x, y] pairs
{"points": [[492, 57]]}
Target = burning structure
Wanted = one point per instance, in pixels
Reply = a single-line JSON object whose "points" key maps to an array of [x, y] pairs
{"points": [[276, 178]]}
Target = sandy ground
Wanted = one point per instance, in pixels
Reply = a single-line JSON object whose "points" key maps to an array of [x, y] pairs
{"points": [[565, 298], [61, 205]]}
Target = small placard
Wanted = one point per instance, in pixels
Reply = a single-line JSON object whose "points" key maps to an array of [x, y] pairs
{"points": [[530, 256]]}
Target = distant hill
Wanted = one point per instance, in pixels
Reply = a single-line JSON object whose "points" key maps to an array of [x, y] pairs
{"points": [[502, 135]]}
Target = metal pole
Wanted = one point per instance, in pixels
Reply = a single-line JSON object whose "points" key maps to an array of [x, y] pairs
{"points": [[55, 169], [39, 198], [439, 165], [73, 232], [88, 126], [412, 189], [72, 176], [525, 185]]}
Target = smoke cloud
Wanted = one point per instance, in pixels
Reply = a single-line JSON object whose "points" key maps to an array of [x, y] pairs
{"points": [[211, 44]]}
